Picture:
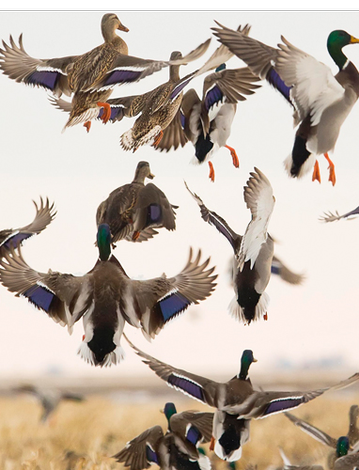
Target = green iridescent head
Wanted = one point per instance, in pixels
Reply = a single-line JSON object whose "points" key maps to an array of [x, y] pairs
{"points": [[246, 360], [336, 41], [342, 446], [104, 241], [169, 410]]}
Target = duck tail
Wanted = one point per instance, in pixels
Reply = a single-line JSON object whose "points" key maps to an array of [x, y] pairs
{"points": [[299, 170], [260, 310]]}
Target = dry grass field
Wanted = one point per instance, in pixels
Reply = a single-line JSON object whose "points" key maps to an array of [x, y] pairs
{"points": [[85, 435]]}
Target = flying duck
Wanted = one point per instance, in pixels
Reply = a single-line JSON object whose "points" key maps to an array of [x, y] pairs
{"points": [[106, 297], [330, 217], [45, 213], [235, 397], [321, 101], [176, 449], [253, 251], [133, 210]]}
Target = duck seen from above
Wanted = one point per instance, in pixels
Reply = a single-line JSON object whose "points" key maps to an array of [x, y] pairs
{"points": [[176, 449], [253, 252], [106, 297], [133, 210], [235, 397], [45, 213], [89, 77], [321, 101]]}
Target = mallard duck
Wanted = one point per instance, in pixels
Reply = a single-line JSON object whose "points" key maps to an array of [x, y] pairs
{"points": [[320, 100], [45, 213], [106, 297], [345, 460], [90, 77], [330, 217], [177, 449], [253, 252], [133, 210], [324, 438], [237, 396], [48, 398]]}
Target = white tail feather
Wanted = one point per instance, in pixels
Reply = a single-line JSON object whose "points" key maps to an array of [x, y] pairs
{"points": [[261, 309], [114, 357], [232, 457], [304, 169]]}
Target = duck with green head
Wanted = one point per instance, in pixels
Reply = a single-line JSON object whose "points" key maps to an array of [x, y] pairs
{"points": [[177, 449], [235, 397], [321, 101], [106, 297]]}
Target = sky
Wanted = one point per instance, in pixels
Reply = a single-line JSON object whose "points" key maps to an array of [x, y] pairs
{"points": [[306, 325]]}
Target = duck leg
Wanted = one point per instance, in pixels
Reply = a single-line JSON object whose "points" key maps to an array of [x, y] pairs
{"points": [[332, 176], [211, 445], [158, 139], [106, 111], [316, 172], [234, 156], [87, 124], [211, 172], [135, 235]]}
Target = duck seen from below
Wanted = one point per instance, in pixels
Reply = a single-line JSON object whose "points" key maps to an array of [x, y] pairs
{"points": [[106, 297], [176, 449], [133, 210], [321, 101], [253, 252], [235, 397]]}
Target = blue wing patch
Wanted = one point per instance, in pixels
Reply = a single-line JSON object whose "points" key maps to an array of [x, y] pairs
{"points": [[122, 76], [193, 435], [40, 297], [177, 90], [274, 269], [172, 305], [213, 96], [46, 79], [16, 239], [183, 119], [116, 113], [154, 213], [280, 405], [187, 386], [274, 79], [151, 455]]}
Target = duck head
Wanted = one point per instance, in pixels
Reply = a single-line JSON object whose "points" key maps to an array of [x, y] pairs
{"points": [[109, 24], [143, 171], [169, 410], [246, 360], [342, 446], [336, 41], [104, 241]]}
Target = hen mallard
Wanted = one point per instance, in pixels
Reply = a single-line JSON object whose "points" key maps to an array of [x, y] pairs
{"points": [[320, 100], [90, 77], [221, 92], [45, 213], [133, 210], [253, 251], [235, 397], [324, 438], [177, 449], [106, 297]]}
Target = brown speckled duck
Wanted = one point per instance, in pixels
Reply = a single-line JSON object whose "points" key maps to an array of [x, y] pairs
{"points": [[90, 77]]}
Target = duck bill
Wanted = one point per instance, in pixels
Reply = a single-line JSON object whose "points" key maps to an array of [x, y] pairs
{"points": [[123, 28], [151, 176], [255, 360], [353, 40]]}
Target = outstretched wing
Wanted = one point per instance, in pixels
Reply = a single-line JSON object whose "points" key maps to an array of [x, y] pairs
{"points": [[214, 219], [45, 213], [195, 426], [331, 217], [159, 300], [50, 74], [279, 268], [139, 453], [317, 433], [195, 386], [258, 195], [64, 297]]}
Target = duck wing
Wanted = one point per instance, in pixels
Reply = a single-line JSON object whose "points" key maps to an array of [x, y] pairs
{"points": [[214, 219], [64, 297], [45, 213], [258, 196], [317, 433], [196, 386], [330, 217], [158, 300], [140, 452], [194, 426], [173, 136], [279, 268], [50, 74], [153, 209]]}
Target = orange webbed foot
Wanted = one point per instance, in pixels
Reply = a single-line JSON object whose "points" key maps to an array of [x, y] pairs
{"points": [[234, 156], [136, 235], [106, 111], [316, 172], [87, 124], [331, 168], [158, 139], [265, 316], [211, 445], [211, 172]]}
